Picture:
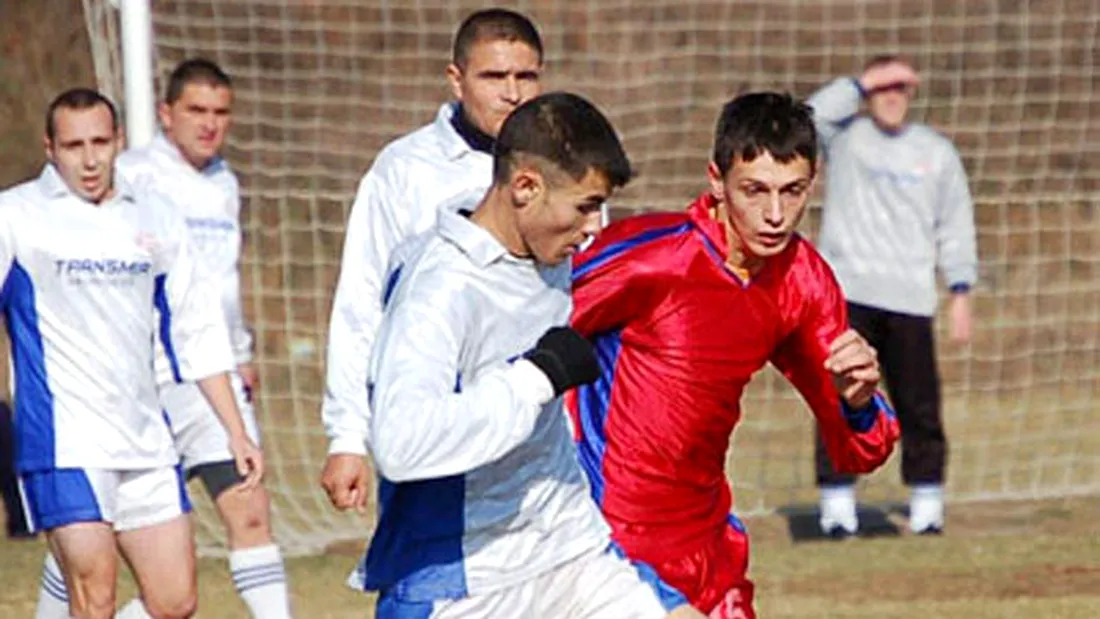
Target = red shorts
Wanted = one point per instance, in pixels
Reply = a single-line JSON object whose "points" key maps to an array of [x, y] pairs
{"points": [[713, 578]]}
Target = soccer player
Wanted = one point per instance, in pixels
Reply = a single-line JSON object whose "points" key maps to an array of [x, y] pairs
{"points": [[484, 511], [684, 308], [897, 206], [495, 66], [184, 165], [95, 269]]}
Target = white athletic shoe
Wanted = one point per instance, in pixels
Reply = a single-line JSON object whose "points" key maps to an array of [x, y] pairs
{"points": [[838, 511], [926, 509]]}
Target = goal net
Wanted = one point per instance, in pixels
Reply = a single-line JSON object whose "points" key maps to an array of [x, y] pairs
{"points": [[322, 84]]}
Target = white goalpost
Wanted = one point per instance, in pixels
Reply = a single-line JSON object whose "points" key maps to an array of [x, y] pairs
{"points": [[321, 85], [137, 64]]}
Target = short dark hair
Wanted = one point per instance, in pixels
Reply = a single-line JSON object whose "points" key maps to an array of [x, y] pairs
{"points": [[764, 122], [494, 25], [565, 130], [78, 99], [884, 59], [194, 71]]}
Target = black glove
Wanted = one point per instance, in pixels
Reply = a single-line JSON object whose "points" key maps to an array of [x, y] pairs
{"points": [[566, 358]]}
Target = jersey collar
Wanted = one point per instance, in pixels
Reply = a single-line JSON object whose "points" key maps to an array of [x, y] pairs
{"points": [[472, 239], [699, 212], [454, 145], [164, 146], [53, 186]]}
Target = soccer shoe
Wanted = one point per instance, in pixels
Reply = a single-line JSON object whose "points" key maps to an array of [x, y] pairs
{"points": [[926, 509], [838, 511]]}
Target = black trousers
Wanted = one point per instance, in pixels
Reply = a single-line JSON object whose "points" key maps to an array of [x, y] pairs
{"points": [[9, 485], [907, 353]]}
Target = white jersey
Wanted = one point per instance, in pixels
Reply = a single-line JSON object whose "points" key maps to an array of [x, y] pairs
{"points": [[209, 201], [480, 486], [398, 198], [86, 291]]}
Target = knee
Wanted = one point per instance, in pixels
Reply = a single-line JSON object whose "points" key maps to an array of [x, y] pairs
{"points": [[246, 516], [181, 606], [92, 598], [94, 605]]}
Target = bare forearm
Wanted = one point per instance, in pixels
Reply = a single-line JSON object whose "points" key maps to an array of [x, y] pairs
{"points": [[219, 393]]}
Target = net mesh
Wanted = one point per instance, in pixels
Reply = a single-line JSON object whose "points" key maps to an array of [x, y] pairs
{"points": [[322, 84]]}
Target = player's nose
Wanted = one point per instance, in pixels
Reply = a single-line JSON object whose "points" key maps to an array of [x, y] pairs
{"points": [[511, 90], [773, 214]]}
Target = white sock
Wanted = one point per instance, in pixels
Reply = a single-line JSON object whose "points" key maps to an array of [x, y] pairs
{"points": [[260, 579], [134, 610], [53, 598], [925, 507], [838, 508]]}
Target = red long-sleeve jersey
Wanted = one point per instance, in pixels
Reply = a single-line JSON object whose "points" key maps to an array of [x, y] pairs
{"points": [[678, 336]]}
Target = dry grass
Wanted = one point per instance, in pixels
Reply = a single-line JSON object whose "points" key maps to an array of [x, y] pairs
{"points": [[997, 560]]}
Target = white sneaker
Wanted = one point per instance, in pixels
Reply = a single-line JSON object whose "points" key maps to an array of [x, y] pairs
{"points": [[926, 509], [838, 511]]}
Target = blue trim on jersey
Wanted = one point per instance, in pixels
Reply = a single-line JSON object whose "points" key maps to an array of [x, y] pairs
{"points": [[185, 499], [160, 300], [669, 596], [720, 260], [391, 285], [35, 437], [593, 401], [416, 553], [59, 497], [737, 525], [389, 607], [615, 249], [864, 419]]}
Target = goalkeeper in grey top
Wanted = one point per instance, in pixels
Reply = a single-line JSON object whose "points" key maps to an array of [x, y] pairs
{"points": [[897, 206], [483, 508]]}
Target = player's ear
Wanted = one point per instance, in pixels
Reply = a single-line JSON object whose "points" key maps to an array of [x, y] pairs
{"points": [[527, 184], [717, 183], [47, 145], [164, 113], [454, 78]]}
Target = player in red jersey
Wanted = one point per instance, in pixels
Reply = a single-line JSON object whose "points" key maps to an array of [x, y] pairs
{"points": [[683, 309]]}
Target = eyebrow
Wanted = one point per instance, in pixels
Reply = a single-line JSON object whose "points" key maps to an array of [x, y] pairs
{"points": [[755, 181]]}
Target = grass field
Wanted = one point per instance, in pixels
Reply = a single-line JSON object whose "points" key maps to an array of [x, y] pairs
{"points": [[996, 561]]}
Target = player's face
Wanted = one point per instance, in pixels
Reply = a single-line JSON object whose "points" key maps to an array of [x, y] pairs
{"points": [[889, 106], [198, 121], [83, 150], [763, 201], [558, 214], [498, 77]]}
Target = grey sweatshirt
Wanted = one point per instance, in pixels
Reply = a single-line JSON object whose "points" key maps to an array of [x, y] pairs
{"points": [[896, 207]]}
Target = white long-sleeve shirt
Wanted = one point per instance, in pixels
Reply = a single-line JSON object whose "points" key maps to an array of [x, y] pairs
{"points": [[896, 207], [480, 485], [86, 289], [209, 201], [399, 197]]}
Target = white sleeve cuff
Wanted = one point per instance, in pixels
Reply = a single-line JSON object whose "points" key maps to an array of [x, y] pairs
{"points": [[348, 444], [531, 383]]}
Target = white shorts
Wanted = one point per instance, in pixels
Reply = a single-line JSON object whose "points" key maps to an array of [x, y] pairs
{"points": [[126, 499], [197, 431], [598, 585]]}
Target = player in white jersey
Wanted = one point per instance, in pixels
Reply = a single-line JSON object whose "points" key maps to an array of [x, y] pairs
{"points": [[183, 163], [484, 510], [94, 272], [496, 65]]}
